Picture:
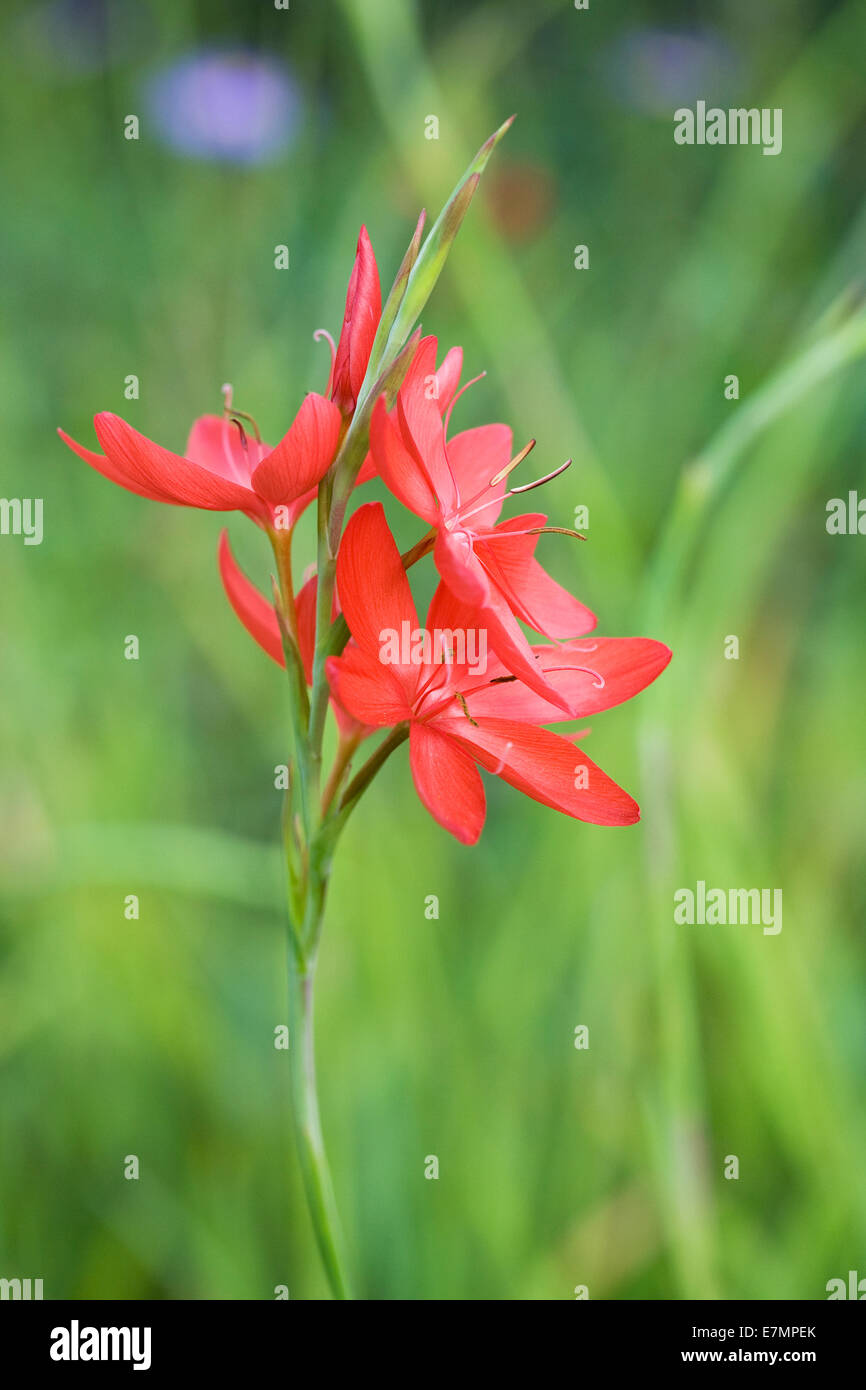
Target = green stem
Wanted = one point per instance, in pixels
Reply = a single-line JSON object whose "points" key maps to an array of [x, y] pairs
{"points": [[363, 779], [308, 1130]]}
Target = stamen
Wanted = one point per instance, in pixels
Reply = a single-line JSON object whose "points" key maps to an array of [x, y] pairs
{"points": [[465, 708], [226, 393], [455, 398], [242, 415], [539, 482], [234, 471], [253, 456], [598, 681], [436, 682], [550, 530], [513, 492], [319, 334], [510, 467], [497, 771]]}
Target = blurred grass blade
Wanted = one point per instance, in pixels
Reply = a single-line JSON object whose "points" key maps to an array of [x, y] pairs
{"points": [[703, 481]]}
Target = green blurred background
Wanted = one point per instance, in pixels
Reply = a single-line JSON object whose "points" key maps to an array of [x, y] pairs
{"points": [[454, 1037]]}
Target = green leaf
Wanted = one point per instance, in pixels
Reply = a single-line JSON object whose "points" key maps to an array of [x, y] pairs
{"points": [[393, 302], [428, 266]]}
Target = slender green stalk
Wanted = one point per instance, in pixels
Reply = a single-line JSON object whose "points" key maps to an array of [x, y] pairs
{"points": [[312, 821], [359, 784], [308, 1130]]}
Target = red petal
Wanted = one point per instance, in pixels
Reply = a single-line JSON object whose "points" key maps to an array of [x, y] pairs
{"points": [[615, 669], [447, 781], [448, 376], [303, 455], [447, 614], [423, 435], [305, 610], [373, 590], [544, 766], [158, 470], [253, 609], [366, 689], [475, 457], [549, 608], [218, 445], [112, 471], [460, 568], [400, 471], [508, 640], [360, 321]]}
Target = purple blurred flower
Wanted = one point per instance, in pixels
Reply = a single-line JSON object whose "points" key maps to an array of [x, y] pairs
{"points": [[655, 70], [233, 107]]}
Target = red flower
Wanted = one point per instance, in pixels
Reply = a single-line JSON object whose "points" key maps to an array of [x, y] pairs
{"points": [[259, 618], [223, 469], [458, 486], [458, 722], [360, 321], [441, 386]]}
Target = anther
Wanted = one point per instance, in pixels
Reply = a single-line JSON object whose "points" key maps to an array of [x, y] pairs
{"points": [[555, 530], [539, 482], [515, 462], [237, 416], [465, 708]]}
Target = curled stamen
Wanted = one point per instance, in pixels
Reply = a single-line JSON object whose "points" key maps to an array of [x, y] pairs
{"points": [[598, 679], [515, 462], [455, 398], [322, 333], [238, 415], [253, 456], [497, 771], [229, 457]]}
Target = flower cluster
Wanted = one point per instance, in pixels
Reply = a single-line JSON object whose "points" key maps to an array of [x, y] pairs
{"points": [[330, 631]]}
